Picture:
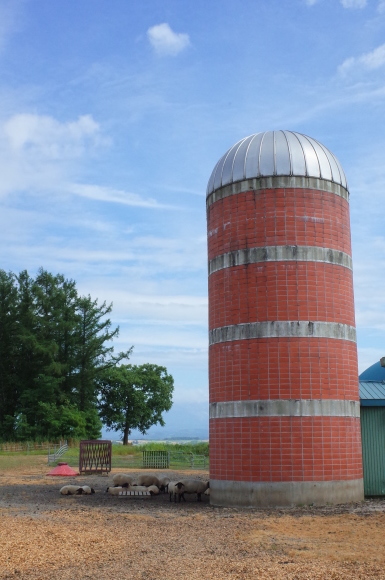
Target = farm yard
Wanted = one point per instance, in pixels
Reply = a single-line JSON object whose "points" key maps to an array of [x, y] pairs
{"points": [[44, 535]]}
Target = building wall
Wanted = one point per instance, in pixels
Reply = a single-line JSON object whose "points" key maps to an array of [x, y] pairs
{"points": [[282, 329], [373, 449]]}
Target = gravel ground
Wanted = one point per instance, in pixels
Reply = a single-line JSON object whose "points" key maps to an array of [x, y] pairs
{"points": [[44, 535]]}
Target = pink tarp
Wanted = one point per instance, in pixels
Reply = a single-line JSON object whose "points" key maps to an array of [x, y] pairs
{"points": [[63, 469]]}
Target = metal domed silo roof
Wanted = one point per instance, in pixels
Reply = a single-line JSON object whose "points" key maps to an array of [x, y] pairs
{"points": [[276, 153]]}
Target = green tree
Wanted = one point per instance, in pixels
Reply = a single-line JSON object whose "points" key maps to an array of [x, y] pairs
{"points": [[93, 355], [134, 397], [48, 328], [28, 362], [68, 422], [9, 345], [54, 345]]}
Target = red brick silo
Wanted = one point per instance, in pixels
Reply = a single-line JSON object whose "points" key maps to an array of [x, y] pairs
{"points": [[284, 401]]}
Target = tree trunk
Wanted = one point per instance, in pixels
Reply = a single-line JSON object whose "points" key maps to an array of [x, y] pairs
{"points": [[126, 433]]}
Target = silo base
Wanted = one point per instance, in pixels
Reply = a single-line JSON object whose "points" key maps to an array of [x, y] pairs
{"points": [[280, 494]]}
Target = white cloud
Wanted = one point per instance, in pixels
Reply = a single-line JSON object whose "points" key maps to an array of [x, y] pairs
{"points": [[165, 41], [353, 3], [39, 153], [49, 138], [374, 59], [156, 309], [111, 195], [368, 61], [347, 65]]}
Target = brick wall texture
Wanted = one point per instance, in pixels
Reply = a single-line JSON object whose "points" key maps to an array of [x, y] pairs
{"points": [[282, 448]]}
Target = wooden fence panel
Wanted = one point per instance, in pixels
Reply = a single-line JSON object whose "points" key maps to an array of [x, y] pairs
{"points": [[95, 456]]}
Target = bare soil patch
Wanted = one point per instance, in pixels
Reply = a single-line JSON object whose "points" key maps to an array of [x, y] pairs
{"points": [[44, 535]]}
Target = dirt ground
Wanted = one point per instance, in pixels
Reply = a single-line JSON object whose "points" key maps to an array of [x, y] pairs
{"points": [[44, 535]]}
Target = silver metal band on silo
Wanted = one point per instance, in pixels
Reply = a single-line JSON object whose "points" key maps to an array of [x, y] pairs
{"points": [[282, 329], [274, 182], [263, 254]]}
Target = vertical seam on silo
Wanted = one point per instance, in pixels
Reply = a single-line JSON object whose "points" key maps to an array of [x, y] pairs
{"points": [[259, 155], [289, 150], [240, 143], [340, 171], [212, 180], [303, 153], [274, 155], [327, 154], [246, 154], [315, 153], [225, 156]]}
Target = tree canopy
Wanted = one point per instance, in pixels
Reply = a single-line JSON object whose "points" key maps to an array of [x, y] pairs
{"points": [[134, 397], [54, 347]]}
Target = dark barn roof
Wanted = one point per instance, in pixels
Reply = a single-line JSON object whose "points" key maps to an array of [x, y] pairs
{"points": [[372, 393]]}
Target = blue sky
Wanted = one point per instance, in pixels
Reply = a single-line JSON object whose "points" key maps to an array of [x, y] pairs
{"points": [[113, 115]]}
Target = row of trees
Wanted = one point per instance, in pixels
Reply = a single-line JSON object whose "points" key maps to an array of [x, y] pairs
{"points": [[59, 375]]}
